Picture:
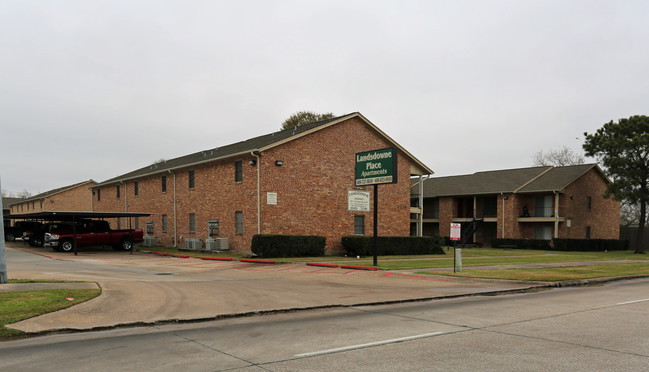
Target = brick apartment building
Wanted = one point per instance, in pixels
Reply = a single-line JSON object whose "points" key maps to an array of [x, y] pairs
{"points": [[288, 182], [77, 197], [526, 203]]}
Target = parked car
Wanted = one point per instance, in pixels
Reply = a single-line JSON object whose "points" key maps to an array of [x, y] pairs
{"points": [[21, 229], [91, 233], [37, 237]]}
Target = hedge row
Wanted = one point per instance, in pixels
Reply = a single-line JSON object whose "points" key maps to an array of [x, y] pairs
{"points": [[393, 245], [270, 245], [521, 243]]}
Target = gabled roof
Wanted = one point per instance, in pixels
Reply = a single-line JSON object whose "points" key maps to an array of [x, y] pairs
{"points": [[521, 180], [50, 193], [256, 144]]}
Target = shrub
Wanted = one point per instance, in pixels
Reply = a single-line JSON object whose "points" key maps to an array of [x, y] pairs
{"points": [[271, 245], [393, 245], [521, 243]]}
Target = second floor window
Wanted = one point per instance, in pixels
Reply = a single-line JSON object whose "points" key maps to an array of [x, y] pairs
{"points": [[118, 192], [136, 188], [238, 171], [191, 179], [164, 183]]}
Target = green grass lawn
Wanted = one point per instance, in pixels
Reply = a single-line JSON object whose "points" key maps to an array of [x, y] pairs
{"points": [[555, 273], [17, 306]]}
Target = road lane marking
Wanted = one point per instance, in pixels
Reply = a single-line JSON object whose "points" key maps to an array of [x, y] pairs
{"points": [[361, 346], [632, 302]]}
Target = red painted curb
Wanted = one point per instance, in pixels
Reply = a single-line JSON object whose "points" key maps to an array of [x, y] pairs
{"points": [[216, 258], [358, 267], [179, 255], [321, 264], [161, 253], [257, 261]]}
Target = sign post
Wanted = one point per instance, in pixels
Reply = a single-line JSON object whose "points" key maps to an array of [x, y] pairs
{"points": [[376, 167], [3, 257], [456, 234]]}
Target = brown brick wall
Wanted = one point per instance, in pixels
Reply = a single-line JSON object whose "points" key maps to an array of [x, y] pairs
{"points": [[311, 188], [603, 217], [77, 198]]}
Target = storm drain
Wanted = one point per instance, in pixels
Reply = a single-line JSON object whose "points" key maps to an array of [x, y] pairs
{"points": [[164, 273]]}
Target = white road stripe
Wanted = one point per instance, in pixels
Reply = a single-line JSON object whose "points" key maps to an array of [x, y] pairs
{"points": [[632, 302], [361, 346]]}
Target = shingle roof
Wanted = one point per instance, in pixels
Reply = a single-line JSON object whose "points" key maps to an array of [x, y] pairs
{"points": [[521, 180], [52, 192], [259, 143]]}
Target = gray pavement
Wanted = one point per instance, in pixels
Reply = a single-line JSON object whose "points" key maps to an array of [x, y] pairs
{"points": [[140, 288]]}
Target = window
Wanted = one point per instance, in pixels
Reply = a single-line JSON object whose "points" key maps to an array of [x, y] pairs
{"points": [[164, 223], [119, 223], [238, 222], [543, 206], [212, 227], [589, 202], [587, 232], [191, 179], [136, 188], [164, 183], [359, 224], [98, 194], [192, 223], [118, 192], [238, 171], [137, 223]]}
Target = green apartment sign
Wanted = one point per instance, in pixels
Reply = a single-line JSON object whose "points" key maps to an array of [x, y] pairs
{"points": [[376, 167]]}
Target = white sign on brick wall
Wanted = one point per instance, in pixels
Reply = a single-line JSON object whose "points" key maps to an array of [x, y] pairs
{"points": [[271, 198], [358, 201]]}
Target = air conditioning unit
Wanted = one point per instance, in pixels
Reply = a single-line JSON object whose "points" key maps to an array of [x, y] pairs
{"points": [[149, 241], [193, 244], [222, 244], [210, 244]]}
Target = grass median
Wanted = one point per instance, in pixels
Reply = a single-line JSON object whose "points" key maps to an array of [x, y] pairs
{"points": [[21, 305]]}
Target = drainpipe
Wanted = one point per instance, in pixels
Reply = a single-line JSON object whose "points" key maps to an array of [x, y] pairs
{"points": [[556, 215], [258, 191], [420, 223], [502, 196], [175, 218]]}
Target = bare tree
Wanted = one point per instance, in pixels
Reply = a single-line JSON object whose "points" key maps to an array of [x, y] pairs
{"points": [[558, 158]]}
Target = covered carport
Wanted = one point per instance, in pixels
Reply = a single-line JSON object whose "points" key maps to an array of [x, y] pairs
{"points": [[74, 217]]}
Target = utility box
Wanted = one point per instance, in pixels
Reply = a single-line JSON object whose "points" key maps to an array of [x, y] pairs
{"points": [[222, 244]]}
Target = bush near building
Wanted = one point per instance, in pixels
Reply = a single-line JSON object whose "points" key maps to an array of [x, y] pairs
{"points": [[275, 245], [558, 244], [393, 245]]}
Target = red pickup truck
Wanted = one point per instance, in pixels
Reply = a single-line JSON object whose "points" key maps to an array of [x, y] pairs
{"points": [[89, 233]]}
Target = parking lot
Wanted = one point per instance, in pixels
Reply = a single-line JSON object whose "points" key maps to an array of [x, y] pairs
{"points": [[143, 288]]}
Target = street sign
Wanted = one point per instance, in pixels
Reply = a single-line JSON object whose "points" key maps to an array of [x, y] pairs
{"points": [[456, 231], [376, 167]]}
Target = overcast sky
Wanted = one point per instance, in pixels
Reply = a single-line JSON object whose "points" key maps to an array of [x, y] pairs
{"points": [[94, 89]]}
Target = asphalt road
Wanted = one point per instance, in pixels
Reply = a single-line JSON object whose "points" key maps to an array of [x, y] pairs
{"points": [[596, 328]]}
